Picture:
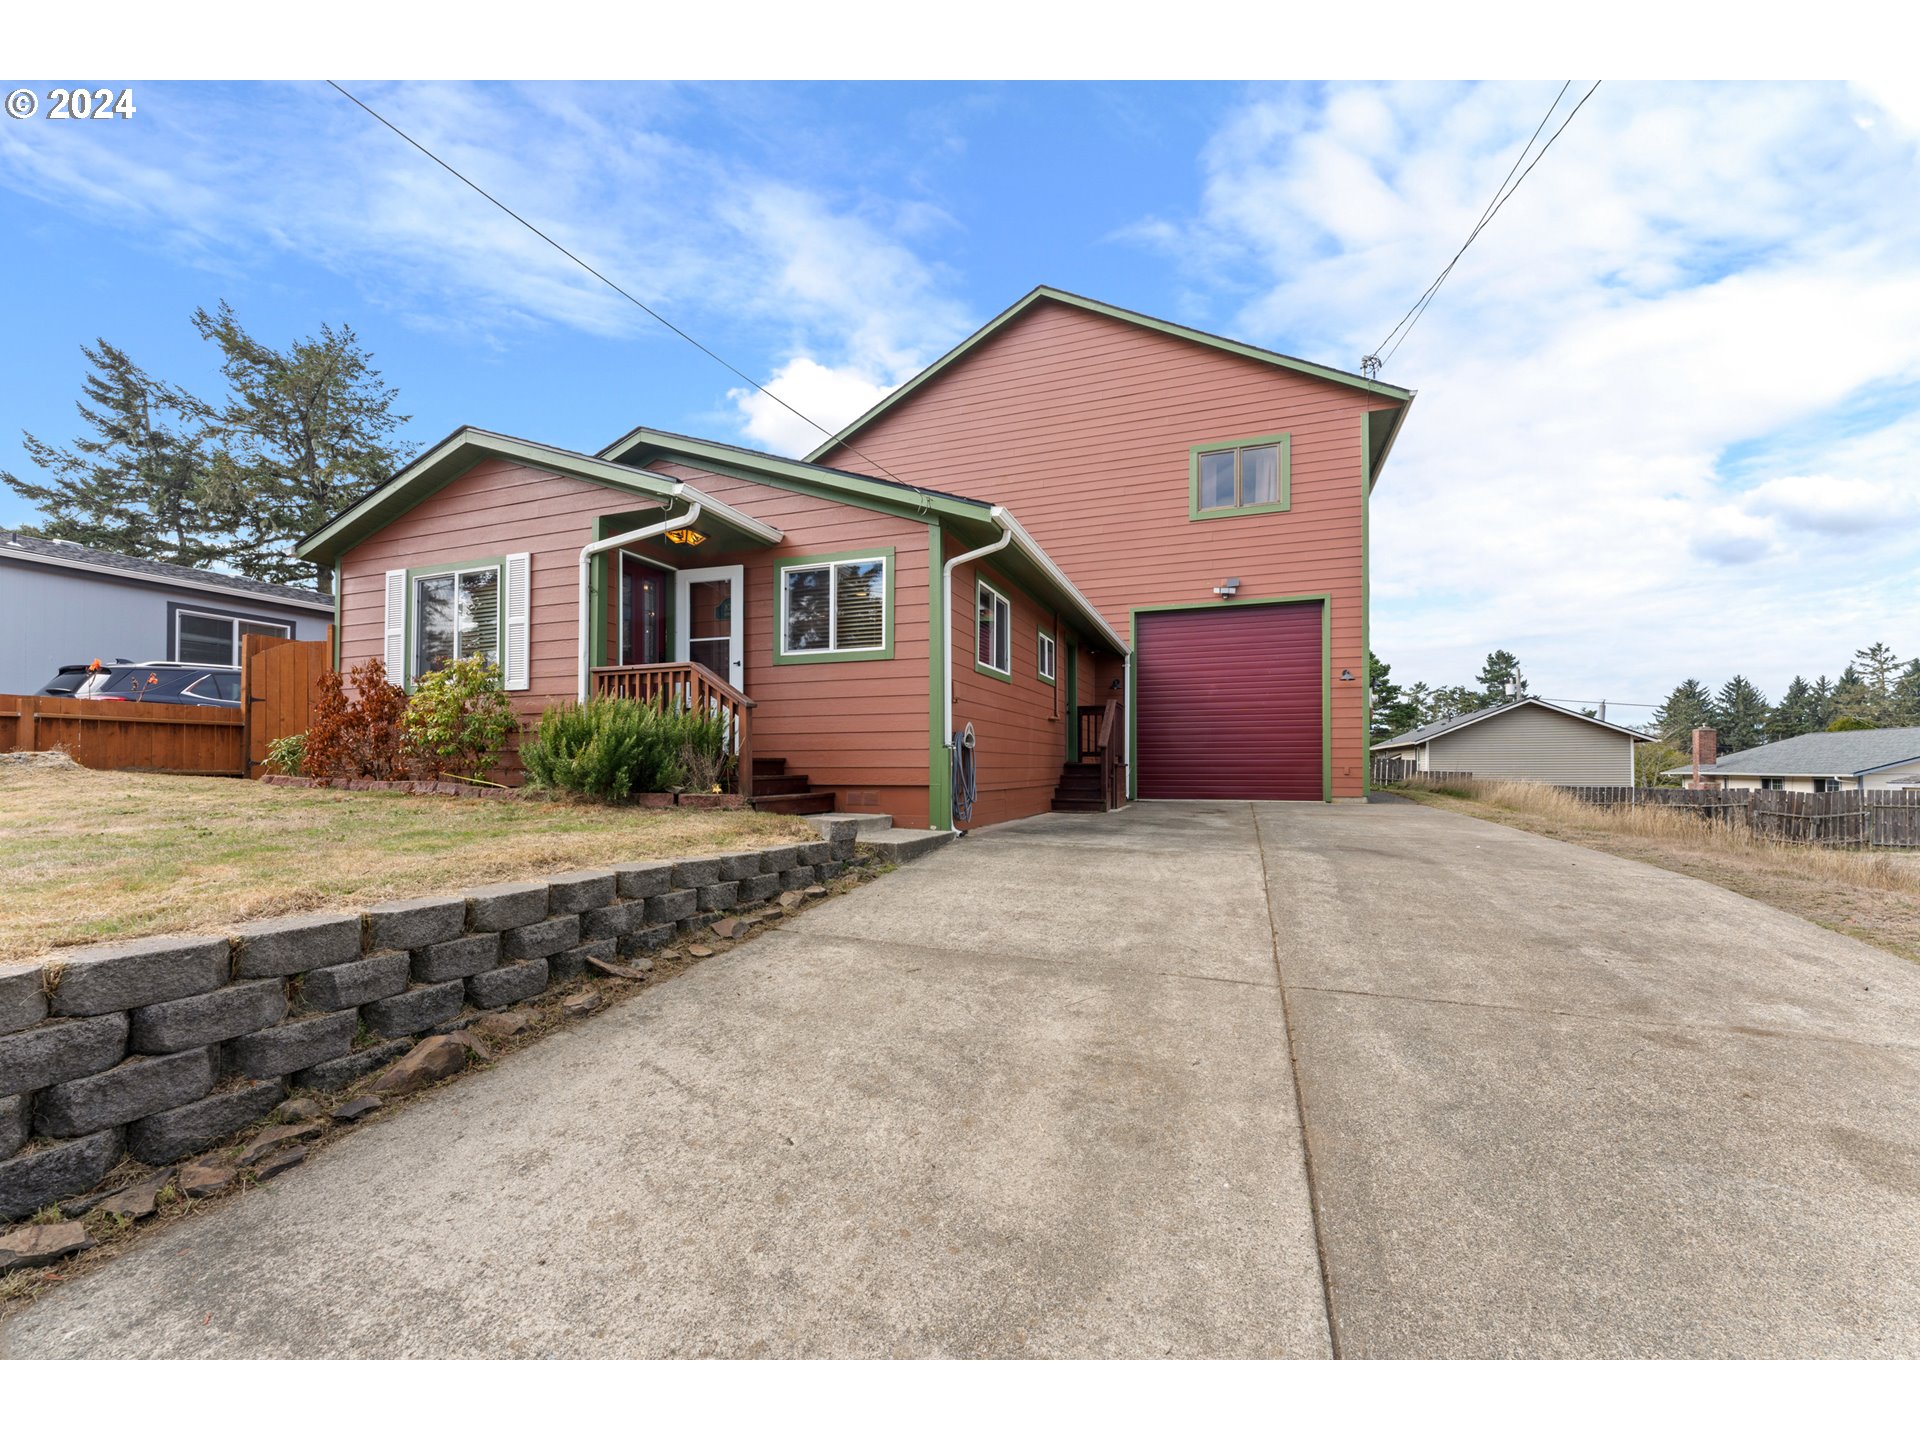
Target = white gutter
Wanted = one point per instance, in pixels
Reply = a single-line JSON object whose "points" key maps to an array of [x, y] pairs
{"points": [[999, 518], [614, 542], [1030, 547]]}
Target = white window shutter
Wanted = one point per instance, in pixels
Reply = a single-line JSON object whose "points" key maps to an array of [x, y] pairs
{"points": [[396, 647], [519, 603]]}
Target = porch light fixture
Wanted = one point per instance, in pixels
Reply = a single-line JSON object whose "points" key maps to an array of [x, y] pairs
{"points": [[1227, 589], [686, 535]]}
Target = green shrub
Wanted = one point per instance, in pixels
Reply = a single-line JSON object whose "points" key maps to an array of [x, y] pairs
{"points": [[458, 719], [287, 755], [610, 749]]}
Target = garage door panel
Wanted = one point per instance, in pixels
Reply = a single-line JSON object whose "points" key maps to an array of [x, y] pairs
{"points": [[1229, 703]]}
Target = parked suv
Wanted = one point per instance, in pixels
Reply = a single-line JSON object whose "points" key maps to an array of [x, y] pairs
{"points": [[167, 682], [80, 680]]}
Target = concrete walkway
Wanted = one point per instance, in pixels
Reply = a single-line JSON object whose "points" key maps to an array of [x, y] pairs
{"points": [[1034, 1096]]}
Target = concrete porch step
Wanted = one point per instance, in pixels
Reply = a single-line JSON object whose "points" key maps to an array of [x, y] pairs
{"points": [[901, 845], [806, 802], [864, 823]]}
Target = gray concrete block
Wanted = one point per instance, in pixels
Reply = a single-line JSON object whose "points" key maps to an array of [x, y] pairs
{"points": [[501, 907], [831, 870], [646, 938], [740, 866], [415, 924], [571, 964], [99, 979], [536, 942], [338, 1074], [674, 905], [816, 853], [643, 879], [722, 895], [293, 1046], [294, 944], [60, 1050], [414, 1010], [508, 985], [692, 874], [52, 1172], [143, 1085], [840, 832], [695, 923], [359, 982], [779, 858], [206, 1019], [456, 959], [16, 1123], [610, 922], [23, 995], [170, 1134], [758, 889], [798, 878], [579, 890]]}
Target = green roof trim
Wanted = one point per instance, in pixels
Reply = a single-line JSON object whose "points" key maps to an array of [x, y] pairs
{"points": [[1112, 312]]}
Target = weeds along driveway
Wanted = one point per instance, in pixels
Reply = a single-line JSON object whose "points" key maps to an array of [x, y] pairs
{"points": [[1027, 1096]]}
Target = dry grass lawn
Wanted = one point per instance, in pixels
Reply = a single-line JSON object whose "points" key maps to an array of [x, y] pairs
{"points": [[1872, 896], [89, 855]]}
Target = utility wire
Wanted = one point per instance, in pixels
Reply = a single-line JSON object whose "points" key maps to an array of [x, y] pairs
{"points": [[507, 210], [1501, 196]]}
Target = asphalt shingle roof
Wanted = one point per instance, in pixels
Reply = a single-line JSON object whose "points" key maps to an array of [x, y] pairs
{"points": [[1472, 717], [12, 541], [1824, 752]]}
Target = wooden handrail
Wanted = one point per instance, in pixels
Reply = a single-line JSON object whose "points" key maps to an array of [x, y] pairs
{"points": [[1110, 754], [690, 684]]}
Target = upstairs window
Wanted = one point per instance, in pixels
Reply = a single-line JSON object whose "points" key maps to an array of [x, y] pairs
{"points": [[1239, 477], [993, 638], [835, 608]]}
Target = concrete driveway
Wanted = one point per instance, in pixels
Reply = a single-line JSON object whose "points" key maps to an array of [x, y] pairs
{"points": [[1035, 1096]]}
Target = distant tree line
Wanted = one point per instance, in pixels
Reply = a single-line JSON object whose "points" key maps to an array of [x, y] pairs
{"points": [[1398, 709], [162, 474]]}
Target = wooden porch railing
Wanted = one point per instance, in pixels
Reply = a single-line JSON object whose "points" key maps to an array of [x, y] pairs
{"points": [[1112, 786], [1088, 742], [687, 685]]}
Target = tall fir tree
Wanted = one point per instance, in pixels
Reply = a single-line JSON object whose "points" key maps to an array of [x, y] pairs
{"points": [[1501, 666], [1740, 712], [1800, 711], [303, 433], [1853, 699], [137, 484], [1690, 707], [1906, 696], [1393, 713], [1451, 700]]}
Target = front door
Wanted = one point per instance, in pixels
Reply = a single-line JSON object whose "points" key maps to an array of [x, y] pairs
{"points": [[643, 612], [707, 620]]}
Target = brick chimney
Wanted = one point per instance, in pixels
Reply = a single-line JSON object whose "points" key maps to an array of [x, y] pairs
{"points": [[1706, 750]]}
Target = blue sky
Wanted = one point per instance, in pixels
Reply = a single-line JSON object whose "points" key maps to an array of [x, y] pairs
{"points": [[1669, 401]]}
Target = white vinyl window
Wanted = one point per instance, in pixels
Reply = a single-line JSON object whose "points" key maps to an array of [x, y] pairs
{"points": [[993, 640], [1047, 657], [834, 608], [456, 616], [200, 638]]}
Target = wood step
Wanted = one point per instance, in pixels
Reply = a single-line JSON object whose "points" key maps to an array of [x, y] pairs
{"points": [[1091, 805], [780, 785], [807, 802], [769, 765]]}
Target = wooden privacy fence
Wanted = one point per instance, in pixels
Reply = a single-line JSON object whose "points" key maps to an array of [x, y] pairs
{"points": [[279, 682], [127, 735], [1888, 818]]}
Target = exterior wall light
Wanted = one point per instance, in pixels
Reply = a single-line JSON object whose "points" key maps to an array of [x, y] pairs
{"points": [[688, 536], [1346, 675], [1227, 589]]}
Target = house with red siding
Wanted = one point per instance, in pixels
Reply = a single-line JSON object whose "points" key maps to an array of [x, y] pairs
{"points": [[1085, 556]]}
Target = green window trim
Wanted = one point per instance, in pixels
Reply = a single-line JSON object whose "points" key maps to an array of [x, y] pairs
{"points": [[1046, 651], [782, 656], [1006, 675], [417, 573], [1283, 441]]}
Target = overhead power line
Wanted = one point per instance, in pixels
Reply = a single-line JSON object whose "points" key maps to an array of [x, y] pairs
{"points": [[1372, 363], [513, 214]]}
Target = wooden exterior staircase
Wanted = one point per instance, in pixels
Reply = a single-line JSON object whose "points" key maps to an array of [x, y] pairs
{"points": [[1096, 780], [779, 793]]}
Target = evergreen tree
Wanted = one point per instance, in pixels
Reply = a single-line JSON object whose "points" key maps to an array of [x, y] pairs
{"points": [[1689, 708], [1653, 759], [1853, 699], [136, 485], [1879, 667], [1906, 696], [1451, 700], [1740, 711], [303, 434], [1800, 711], [1501, 667], [1822, 706], [1392, 711]]}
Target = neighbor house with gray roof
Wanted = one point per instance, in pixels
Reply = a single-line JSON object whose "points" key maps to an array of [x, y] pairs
{"points": [[1524, 739], [68, 604], [1886, 759]]}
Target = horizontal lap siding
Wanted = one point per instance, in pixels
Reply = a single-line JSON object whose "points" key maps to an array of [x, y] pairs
{"points": [[1535, 744], [1019, 724], [1081, 424]]}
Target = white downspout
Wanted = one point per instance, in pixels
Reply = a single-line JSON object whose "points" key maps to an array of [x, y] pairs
{"points": [[645, 532], [947, 609]]}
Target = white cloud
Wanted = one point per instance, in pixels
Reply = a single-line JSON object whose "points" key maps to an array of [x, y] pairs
{"points": [[830, 397], [1690, 270]]}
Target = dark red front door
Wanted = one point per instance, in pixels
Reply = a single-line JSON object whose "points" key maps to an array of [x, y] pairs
{"points": [[1228, 703], [643, 613]]}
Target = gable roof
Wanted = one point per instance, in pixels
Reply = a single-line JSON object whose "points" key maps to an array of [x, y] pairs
{"points": [[441, 464], [1041, 293], [66, 555], [1824, 752], [1424, 733]]}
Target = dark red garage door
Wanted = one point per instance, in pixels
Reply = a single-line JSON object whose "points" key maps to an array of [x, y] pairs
{"points": [[1229, 703]]}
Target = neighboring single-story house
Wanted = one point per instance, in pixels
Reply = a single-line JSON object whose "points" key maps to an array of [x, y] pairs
{"points": [[68, 604], [1521, 740], [1191, 578], [1886, 759]]}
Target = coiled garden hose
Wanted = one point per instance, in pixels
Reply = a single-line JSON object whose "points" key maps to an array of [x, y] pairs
{"points": [[963, 776]]}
